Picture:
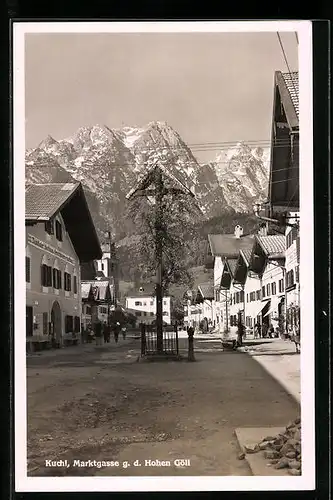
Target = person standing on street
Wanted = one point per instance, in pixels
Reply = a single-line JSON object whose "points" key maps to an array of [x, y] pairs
{"points": [[98, 332], [116, 332], [105, 332], [123, 331]]}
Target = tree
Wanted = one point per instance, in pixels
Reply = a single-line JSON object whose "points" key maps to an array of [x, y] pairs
{"points": [[176, 235]]}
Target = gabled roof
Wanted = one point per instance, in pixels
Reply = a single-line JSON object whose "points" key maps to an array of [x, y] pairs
{"points": [[246, 254], [274, 245], [228, 245], [45, 201], [85, 290], [232, 265], [206, 290], [145, 290], [100, 289], [291, 82], [287, 83]]}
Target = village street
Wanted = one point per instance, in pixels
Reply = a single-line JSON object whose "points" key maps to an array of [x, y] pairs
{"points": [[98, 403]]}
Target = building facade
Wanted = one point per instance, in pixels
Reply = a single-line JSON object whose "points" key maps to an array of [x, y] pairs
{"points": [[52, 262], [142, 303]]}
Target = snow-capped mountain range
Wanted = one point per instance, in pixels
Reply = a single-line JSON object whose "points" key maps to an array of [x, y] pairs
{"points": [[108, 162]]}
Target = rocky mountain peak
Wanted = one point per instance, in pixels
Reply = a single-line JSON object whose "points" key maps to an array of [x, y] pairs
{"points": [[108, 162], [47, 142]]}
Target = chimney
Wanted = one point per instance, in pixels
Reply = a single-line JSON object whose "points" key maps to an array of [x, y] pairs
{"points": [[263, 230], [238, 231]]}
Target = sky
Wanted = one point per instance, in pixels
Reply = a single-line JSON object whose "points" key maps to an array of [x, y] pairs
{"points": [[210, 87]]}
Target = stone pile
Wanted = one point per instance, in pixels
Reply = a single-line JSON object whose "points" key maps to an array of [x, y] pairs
{"points": [[284, 450]]}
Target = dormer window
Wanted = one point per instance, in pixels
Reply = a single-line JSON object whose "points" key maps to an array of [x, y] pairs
{"points": [[49, 227], [58, 229]]}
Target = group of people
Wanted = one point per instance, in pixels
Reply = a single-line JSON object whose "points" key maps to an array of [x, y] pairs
{"points": [[264, 331], [101, 331]]}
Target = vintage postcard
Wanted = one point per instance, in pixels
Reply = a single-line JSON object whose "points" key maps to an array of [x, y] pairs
{"points": [[163, 223]]}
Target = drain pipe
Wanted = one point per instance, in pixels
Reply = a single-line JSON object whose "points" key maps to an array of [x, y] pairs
{"points": [[256, 209]]}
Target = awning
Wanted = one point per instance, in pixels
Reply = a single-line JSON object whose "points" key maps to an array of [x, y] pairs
{"points": [[258, 309], [275, 301]]}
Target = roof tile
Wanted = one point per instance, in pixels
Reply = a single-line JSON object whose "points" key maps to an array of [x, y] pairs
{"points": [[291, 81], [274, 244], [227, 245], [42, 201]]}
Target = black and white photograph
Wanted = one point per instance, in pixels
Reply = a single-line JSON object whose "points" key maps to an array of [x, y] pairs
{"points": [[163, 219]]}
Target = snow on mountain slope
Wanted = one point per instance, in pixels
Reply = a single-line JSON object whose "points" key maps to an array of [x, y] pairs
{"points": [[109, 161]]}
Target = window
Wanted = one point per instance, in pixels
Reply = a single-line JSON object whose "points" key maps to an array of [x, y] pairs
{"points": [[49, 227], [164, 302], [102, 267], [290, 278], [45, 323], [263, 292], [258, 295], [281, 286], [145, 303], [138, 303], [137, 313], [291, 237], [27, 269], [88, 310], [46, 275], [247, 297], [273, 288], [268, 289], [67, 282], [297, 274], [252, 296], [56, 279], [77, 324], [151, 302], [58, 230], [68, 324], [241, 296], [145, 313], [103, 310], [74, 284]]}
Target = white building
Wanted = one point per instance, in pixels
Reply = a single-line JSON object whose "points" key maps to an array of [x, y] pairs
{"points": [[222, 246], [268, 262], [292, 262], [97, 298], [60, 236], [142, 302]]}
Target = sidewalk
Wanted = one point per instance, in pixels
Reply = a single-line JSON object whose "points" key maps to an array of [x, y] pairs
{"points": [[279, 359]]}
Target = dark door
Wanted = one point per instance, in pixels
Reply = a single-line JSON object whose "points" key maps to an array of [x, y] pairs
{"points": [[56, 321], [29, 321]]}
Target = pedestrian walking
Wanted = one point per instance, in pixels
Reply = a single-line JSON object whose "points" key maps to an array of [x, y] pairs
{"points": [[271, 331], [123, 331], [105, 332], [98, 332], [116, 332], [240, 333], [264, 330]]}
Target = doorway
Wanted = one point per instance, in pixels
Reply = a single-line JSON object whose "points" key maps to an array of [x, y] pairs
{"points": [[29, 321], [56, 322]]}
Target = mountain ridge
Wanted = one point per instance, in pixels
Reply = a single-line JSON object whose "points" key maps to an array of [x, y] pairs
{"points": [[108, 162]]}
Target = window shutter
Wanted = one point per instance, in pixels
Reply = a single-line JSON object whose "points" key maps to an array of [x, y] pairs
{"points": [[27, 269]]}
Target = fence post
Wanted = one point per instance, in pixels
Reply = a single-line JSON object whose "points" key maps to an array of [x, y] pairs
{"points": [[176, 332], [143, 339], [190, 333]]}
